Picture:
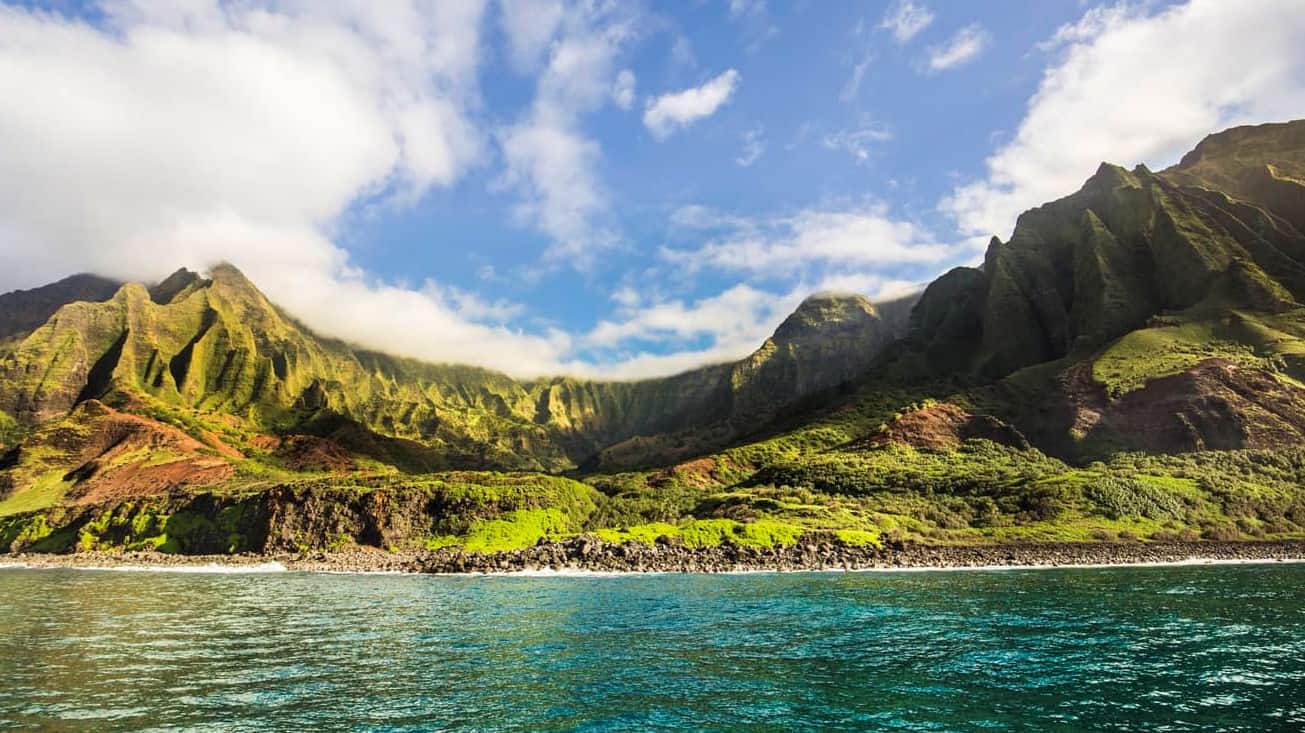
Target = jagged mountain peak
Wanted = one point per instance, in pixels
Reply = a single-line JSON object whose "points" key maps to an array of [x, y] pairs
{"points": [[825, 312], [216, 345], [175, 286], [1224, 225]]}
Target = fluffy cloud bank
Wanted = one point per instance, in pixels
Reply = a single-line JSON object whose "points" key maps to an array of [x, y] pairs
{"points": [[1131, 85], [550, 161], [167, 135], [234, 132]]}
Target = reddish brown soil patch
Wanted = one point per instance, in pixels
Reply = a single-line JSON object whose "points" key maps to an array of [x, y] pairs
{"points": [[139, 479], [944, 426], [116, 455], [216, 442], [1216, 405], [265, 443], [697, 472], [311, 453]]}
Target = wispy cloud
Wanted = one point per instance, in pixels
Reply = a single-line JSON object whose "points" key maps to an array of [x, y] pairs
{"points": [[850, 237], [860, 142], [529, 26], [623, 89], [677, 110], [754, 145], [551, 163], [852, 88], [906, 19], [961, 49]]}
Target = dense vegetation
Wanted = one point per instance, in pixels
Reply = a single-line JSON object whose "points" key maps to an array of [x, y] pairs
{"points": [[1130, 366]]}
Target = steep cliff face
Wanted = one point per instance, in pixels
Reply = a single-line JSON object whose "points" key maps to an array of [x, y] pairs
{"points": [[376, 512], [1221, 228], [214, 351], [1146, 314], [830, 339]]}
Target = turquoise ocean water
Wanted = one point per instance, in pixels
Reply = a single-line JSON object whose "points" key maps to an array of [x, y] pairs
{"points": [[1138, 649]]}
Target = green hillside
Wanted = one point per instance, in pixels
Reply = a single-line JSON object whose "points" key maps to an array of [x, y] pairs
{"points": [[1129, 366]]}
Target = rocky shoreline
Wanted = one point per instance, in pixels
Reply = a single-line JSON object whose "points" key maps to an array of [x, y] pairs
{"points": [[593, 555]]}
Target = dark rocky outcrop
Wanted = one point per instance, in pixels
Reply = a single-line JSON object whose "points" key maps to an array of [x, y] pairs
{"points": [[591, 555], [23, 311]]}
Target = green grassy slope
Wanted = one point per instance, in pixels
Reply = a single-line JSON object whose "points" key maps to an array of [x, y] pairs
{"points": [[217, 353], [1130, 365]]}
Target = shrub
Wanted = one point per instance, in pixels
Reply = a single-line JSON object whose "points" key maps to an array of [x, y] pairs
{"points": [[1118, 498]]}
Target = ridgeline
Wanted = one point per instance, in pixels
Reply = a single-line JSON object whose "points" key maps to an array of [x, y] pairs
{"points": [[1128, 368]]}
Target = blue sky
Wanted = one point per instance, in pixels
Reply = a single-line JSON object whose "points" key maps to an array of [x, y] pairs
{"points": [[604, 188], [795, 64]]}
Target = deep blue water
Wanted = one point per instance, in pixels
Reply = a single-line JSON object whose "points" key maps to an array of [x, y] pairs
{"points": [[1179, 648]]}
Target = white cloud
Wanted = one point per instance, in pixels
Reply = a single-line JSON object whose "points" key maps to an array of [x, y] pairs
{"points": [[858, 143], [849, 238], [906, 19], [876, 286], [245, 133], [552, 168], [754, 146], [185, 135], [550, 162], [733, 322], [961, 49], [853, 86], [677, 110], [529, 26], [723, 316], [623, 89], [627, 296], [742, 8], [1136, 86]]}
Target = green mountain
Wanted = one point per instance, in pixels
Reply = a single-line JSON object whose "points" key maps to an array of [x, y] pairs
{"points": [[214, 358], [1192, 274], [1131, 364]]}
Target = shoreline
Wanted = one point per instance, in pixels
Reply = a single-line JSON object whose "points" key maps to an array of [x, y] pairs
{"points": [[585, 556]]}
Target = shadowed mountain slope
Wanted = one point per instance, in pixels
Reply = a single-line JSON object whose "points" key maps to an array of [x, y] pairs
{"points": [[1128, 246], [22, 311], [217, 351], [1131, 364]]}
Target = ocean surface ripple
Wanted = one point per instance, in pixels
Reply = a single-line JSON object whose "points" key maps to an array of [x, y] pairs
{"points": [[1119, 649]]}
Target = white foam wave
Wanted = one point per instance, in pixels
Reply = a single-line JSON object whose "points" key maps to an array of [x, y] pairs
{"points": [[212, 568], [1195, 561], [218, 568]]}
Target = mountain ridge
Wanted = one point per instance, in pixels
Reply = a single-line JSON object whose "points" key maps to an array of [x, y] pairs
{"points": [[1129, 365], [218, 344]]}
